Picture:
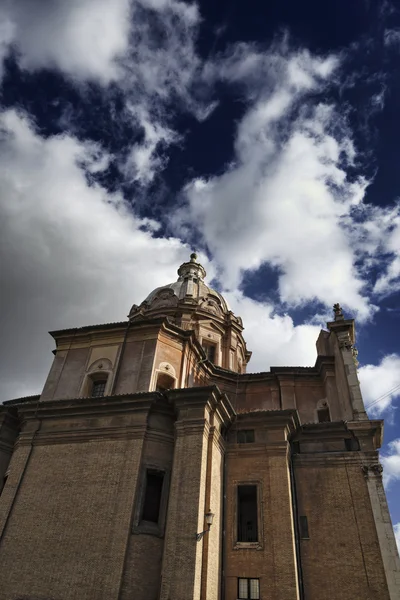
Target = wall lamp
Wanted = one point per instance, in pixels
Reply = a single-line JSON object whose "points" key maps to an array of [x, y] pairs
{"points": [[209, 519]]}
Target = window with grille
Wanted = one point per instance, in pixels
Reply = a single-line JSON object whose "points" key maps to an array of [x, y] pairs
{"points": [[245, 436], [248, 589], [98, 388], [152, 496], [210, 350], [247, 525]]}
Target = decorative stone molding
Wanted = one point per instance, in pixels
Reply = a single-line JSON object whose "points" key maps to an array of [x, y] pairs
{"points": [[101, 364], [167, 368], [355, 355], [164, 298], [345, 344], [375, 469]]}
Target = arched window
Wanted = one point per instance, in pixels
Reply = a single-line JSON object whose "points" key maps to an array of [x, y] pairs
{"points": [[323, 413], [96, 385], [97, 381], [164, 382]]}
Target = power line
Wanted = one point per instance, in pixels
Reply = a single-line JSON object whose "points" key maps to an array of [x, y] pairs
{"points": [[385, 395]]}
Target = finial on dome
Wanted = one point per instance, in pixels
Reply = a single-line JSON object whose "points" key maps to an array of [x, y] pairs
{"points": [[193, 257]]}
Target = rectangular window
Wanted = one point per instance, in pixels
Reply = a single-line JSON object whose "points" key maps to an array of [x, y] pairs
{"points": [[324, 415], [296, 447], [352, 444], [245, 436], [152, 496], [248, 589], [247, 513], [210, 350], [303, 522]]}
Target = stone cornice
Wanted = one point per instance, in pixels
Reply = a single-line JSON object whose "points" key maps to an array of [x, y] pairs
{"points": [[81, 407], [274, 419], [19, 400], [329, 459], [87, 434], [87, 329], [208, 396], [341, 429], [367, 428], [267, 449], [343, 326]]}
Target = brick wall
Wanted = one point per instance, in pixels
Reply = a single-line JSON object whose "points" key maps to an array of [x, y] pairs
{"points": [[70, 521], [342, 557], [272, 560], [142, 572]]}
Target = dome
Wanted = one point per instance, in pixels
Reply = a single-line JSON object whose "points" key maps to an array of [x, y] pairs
{"points": [[188, 304], [189, 289]]}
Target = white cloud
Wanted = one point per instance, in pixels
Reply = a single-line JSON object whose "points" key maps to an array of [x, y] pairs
{"points": [[391, 462], [380, 382], [144, 160], [82, 38], [285, 197], [391, 37], [273, 338], [72, 254], [387, 221], [145, 47], [396, 528]]}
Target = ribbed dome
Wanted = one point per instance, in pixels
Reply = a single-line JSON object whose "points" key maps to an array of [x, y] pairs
{"points": [[190, 305]]}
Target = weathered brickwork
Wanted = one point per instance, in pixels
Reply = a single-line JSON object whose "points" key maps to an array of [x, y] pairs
{"points": [[76, 521], [70, 519], [182, 553], [8, 436], [333, 495], [272, 559], [157, 453]]}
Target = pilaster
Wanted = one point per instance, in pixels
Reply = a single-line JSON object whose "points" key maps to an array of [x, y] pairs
{"points": [[391, 562], [344, 331], [199, 411]]}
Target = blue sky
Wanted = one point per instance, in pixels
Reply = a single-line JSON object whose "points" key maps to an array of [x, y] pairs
{"points": [[262, 134]]}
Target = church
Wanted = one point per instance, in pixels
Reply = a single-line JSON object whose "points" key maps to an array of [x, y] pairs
{"points": [[154, 466]]}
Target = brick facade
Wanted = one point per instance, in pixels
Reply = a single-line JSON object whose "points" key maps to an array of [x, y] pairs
{"points": [[77, 467]]}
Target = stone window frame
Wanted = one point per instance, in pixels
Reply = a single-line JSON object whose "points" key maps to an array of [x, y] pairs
{"points": [[90, 378], [260, 530], [248, 579], [97, 370], [159, 374], [323, 405], [210, 341], [164, 368], [147, 527]]}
